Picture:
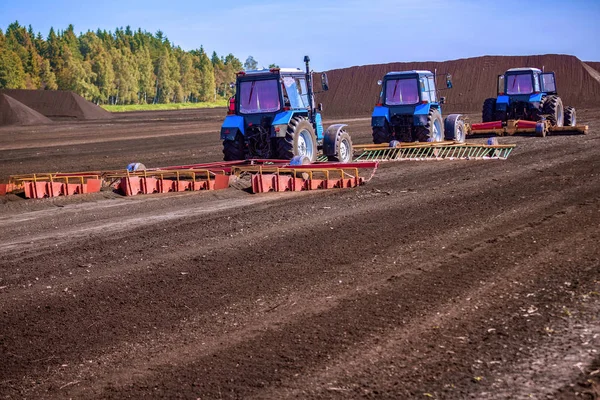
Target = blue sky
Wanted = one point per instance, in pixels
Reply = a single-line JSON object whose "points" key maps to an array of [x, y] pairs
{"points": [[337, 33]]}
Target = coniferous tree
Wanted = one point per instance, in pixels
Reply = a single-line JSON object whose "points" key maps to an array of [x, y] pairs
{"points": [[126, 66], [12, 74], [146, 77], [47, 77]]}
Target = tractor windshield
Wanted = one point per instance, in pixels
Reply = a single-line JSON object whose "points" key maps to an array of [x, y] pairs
{"points": [[259, 96], [401, 91], [519, 84]]}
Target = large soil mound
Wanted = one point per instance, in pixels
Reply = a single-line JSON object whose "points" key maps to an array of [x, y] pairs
{"points": [[13, 112], [58, 104], [354, 91]]}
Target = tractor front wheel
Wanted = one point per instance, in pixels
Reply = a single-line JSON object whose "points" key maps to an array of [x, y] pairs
{"points": [[454, 128], [488, 112], [433, 131], [299, 140], [343, 148], [234, 150], [553, 108]]}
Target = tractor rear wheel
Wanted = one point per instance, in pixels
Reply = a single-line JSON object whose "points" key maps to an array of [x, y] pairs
{"points": [[299, 140], [570, 116], [488, 111], [381, 135], [234, 150], [553, 108], [433, 131]]}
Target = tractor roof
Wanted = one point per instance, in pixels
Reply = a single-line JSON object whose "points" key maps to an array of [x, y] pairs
{"points": [[524, 69], [412, 72], [266, 71]]}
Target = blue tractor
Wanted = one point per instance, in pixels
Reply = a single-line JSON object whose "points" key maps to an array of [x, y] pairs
{"points": [[409, 110], [528, 94], [273, 116]]}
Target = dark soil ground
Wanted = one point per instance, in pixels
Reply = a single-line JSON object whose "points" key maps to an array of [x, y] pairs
{"points": [[447, 280]]}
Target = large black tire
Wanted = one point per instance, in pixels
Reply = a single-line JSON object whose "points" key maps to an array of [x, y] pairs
{"points": [[454, 128], [488, 111], [381, 135], [343, 148], [234, 150], [570, 116], [537, 113], [299, 129], [554, 110], [433, 131]]}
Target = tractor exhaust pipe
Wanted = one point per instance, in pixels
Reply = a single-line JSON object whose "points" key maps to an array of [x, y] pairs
{"points": [[309, 85]]}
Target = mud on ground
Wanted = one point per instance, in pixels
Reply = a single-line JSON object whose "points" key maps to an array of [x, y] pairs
{"points": [[450, 279]]}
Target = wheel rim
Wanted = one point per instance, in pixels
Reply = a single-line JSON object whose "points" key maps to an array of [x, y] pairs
{"points": [[560, 116], [344, 150], [305, 144], [460, 134], [437, 129], [573, 119]]}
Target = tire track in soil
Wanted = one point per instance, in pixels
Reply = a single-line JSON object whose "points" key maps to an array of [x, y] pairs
{"points": [[277, 356], [309, 284], [267, 252]]}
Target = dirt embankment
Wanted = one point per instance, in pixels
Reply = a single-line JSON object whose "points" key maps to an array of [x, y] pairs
{"points": [[58, 104], [354, 91], [13, 112]]}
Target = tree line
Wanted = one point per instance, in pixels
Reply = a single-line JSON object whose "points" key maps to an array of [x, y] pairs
{"points": [[124, 67]]}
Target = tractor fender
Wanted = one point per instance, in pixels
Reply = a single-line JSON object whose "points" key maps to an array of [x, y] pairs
{"points": [[283, 118], [231, 126], [380, 116], [330, 138], [502, 103], [536, 97], [421, 114]]}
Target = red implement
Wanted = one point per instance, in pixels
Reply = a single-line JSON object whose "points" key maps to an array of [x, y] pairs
{"points": [[42, 189], [163, 182], [484, 126]]}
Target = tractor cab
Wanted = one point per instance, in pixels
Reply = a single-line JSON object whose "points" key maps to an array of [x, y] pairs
{"points": [[522, 93], [406, 103], [522, 83], [262, 94], [409, 88]]}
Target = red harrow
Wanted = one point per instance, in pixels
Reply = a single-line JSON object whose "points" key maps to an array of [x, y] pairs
{"points": [[519, 126], [265, 176]]}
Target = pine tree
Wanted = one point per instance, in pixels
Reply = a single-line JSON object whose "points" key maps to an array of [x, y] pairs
{"points": [[47, 77], [205, 76], [12, 74], [146, 76]]}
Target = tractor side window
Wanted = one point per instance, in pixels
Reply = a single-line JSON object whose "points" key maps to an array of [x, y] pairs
{"points": [[401, 91], [424, 82], [432, 93], [301, 83], [548, 83], [293, 92], [519, 84], [259, 96]]}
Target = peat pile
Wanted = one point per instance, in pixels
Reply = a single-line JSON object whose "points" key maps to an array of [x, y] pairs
{"points": [[13, 112], [58, 104], [354, 91]]}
